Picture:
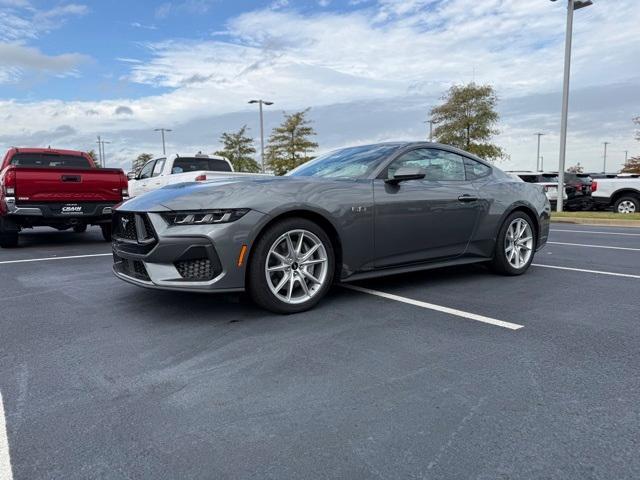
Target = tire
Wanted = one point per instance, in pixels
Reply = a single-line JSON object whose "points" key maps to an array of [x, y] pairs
{"points": [[106, 232], [9, 240], [272, 289], [504, 261], [627, 204], [80, 228]]}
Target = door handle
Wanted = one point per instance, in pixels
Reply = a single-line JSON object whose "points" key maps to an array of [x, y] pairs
{"points": [[467, 198]]}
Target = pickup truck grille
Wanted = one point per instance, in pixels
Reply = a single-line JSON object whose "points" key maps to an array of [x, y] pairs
{"points": [[133, 232]]}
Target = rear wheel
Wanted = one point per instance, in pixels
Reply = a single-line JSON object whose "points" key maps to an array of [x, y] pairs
{"points": [[106, 232], [291, 267], [80, 228], [515, 245], [627, 204]]}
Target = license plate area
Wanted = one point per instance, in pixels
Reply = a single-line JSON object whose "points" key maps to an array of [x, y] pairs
{"points": [[71, 209]]}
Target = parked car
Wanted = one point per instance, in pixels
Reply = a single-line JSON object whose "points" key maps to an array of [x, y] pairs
{"points": [[160, 172], [622, 193], [57, 188], [579, 193], [351, 214], [548, 181]]}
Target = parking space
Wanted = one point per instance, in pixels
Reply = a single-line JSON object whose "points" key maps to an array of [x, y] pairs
{"points": [[111, 381]]}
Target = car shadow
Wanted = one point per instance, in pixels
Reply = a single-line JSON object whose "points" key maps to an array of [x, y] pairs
{"points": [[45, 237]]}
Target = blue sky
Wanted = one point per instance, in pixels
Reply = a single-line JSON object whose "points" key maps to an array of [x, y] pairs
{"points": [[369, 70]]}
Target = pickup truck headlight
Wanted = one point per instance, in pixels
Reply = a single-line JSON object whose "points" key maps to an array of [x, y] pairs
{"points": [[205, 217]]}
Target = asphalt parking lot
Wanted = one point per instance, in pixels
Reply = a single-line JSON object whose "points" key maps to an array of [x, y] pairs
{"points": [[527, 377]]}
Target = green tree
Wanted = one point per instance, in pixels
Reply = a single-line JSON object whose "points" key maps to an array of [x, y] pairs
{"points": [[576, 168], [239, 149], [633, 164], [92, 154], [290, 144], [139, 162], [467, 119]]}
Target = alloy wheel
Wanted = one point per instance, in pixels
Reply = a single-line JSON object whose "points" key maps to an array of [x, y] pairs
{"points": [[626, 206], [518, 243], [296, 266]]}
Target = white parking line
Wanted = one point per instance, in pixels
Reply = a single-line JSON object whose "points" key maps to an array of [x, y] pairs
{"points": [[599, 272], [27, 260], [5, 461], [595, 246], [597, 232], [438, 308]]}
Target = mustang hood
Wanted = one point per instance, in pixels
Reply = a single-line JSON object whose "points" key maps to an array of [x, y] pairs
{"points": [[257, 193]]}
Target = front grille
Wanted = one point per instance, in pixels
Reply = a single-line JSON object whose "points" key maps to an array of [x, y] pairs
{"points": [[124, 226], [201, 269], [131, 268], [133, 232]]}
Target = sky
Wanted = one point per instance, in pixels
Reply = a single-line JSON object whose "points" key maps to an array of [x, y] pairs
{"points": [[369, 70]]}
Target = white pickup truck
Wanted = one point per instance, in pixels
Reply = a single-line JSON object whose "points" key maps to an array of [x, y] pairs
{"points": [[622, 193], [159, 172]]}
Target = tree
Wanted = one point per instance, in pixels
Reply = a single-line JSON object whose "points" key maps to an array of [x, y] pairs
{"points": [[632, 165], [467, 120], [636, 120], [92, 154], [139, 162], [576, 168], [289, 144], [239, 149]]}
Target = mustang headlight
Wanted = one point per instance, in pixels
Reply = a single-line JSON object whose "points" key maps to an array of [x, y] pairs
{"points": [[205, 217]]}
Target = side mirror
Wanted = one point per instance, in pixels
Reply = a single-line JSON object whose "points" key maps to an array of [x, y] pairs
{"points": [[406, 173], [131, 175]]}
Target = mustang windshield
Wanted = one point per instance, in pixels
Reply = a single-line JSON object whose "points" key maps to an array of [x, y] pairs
{"points": [[355, 162]]}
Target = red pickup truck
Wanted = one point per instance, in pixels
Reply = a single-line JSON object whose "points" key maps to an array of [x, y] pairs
{"points": [[57, 188]]}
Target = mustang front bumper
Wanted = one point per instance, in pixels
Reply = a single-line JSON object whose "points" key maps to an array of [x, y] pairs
{"points": [[200, 258]]}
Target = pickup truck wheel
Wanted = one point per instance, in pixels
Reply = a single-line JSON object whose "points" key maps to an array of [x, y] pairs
{"points": [[9, 240], [291, 267], [79, 228], [627, 205], [106, 232], [515, 245]]}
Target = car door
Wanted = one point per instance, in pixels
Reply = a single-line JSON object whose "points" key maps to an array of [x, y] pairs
{"points": [[157, 180], [143, 179], [422, 220]]}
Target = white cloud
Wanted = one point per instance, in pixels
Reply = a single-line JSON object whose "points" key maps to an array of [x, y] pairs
{"points": [[403, 52], [15, 59]]}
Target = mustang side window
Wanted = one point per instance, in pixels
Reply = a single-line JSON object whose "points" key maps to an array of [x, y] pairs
{"points": [[475, 170], [438, 165]]}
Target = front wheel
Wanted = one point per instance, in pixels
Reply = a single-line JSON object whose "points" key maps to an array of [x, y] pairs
{"points": [[291, 267], [515, 245], [106, 232]]}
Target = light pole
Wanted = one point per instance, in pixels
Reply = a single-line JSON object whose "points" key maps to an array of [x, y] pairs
{"points": [[430, 122], [626, 154], [571, 6], [538, 167], [541, 163], [604, 166], [261, 102], [101, 154], [162, 130]]}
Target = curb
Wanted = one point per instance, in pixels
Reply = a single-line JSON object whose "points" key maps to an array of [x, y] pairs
{"points": [[598, 222]]}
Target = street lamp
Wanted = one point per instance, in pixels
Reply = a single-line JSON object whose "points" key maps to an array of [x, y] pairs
{"points": [[571, 6], [538, 167], [101, 153], [430, 122], [162, 130], [604, 166], [261, 102]]}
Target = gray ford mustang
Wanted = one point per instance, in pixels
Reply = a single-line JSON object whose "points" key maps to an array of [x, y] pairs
{"points": [[354, 213]]}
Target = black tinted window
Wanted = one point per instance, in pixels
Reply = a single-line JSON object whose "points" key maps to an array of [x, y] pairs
{"points": [[475, 170], [181, 165], [49, 160], [146, 170], [438, 165]]}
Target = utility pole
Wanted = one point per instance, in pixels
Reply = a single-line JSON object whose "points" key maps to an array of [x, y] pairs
{"points": [[162, 130], [261, 102], [99, 142], [604, 167], [538, 168], [571, 6], [430, 122]]}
